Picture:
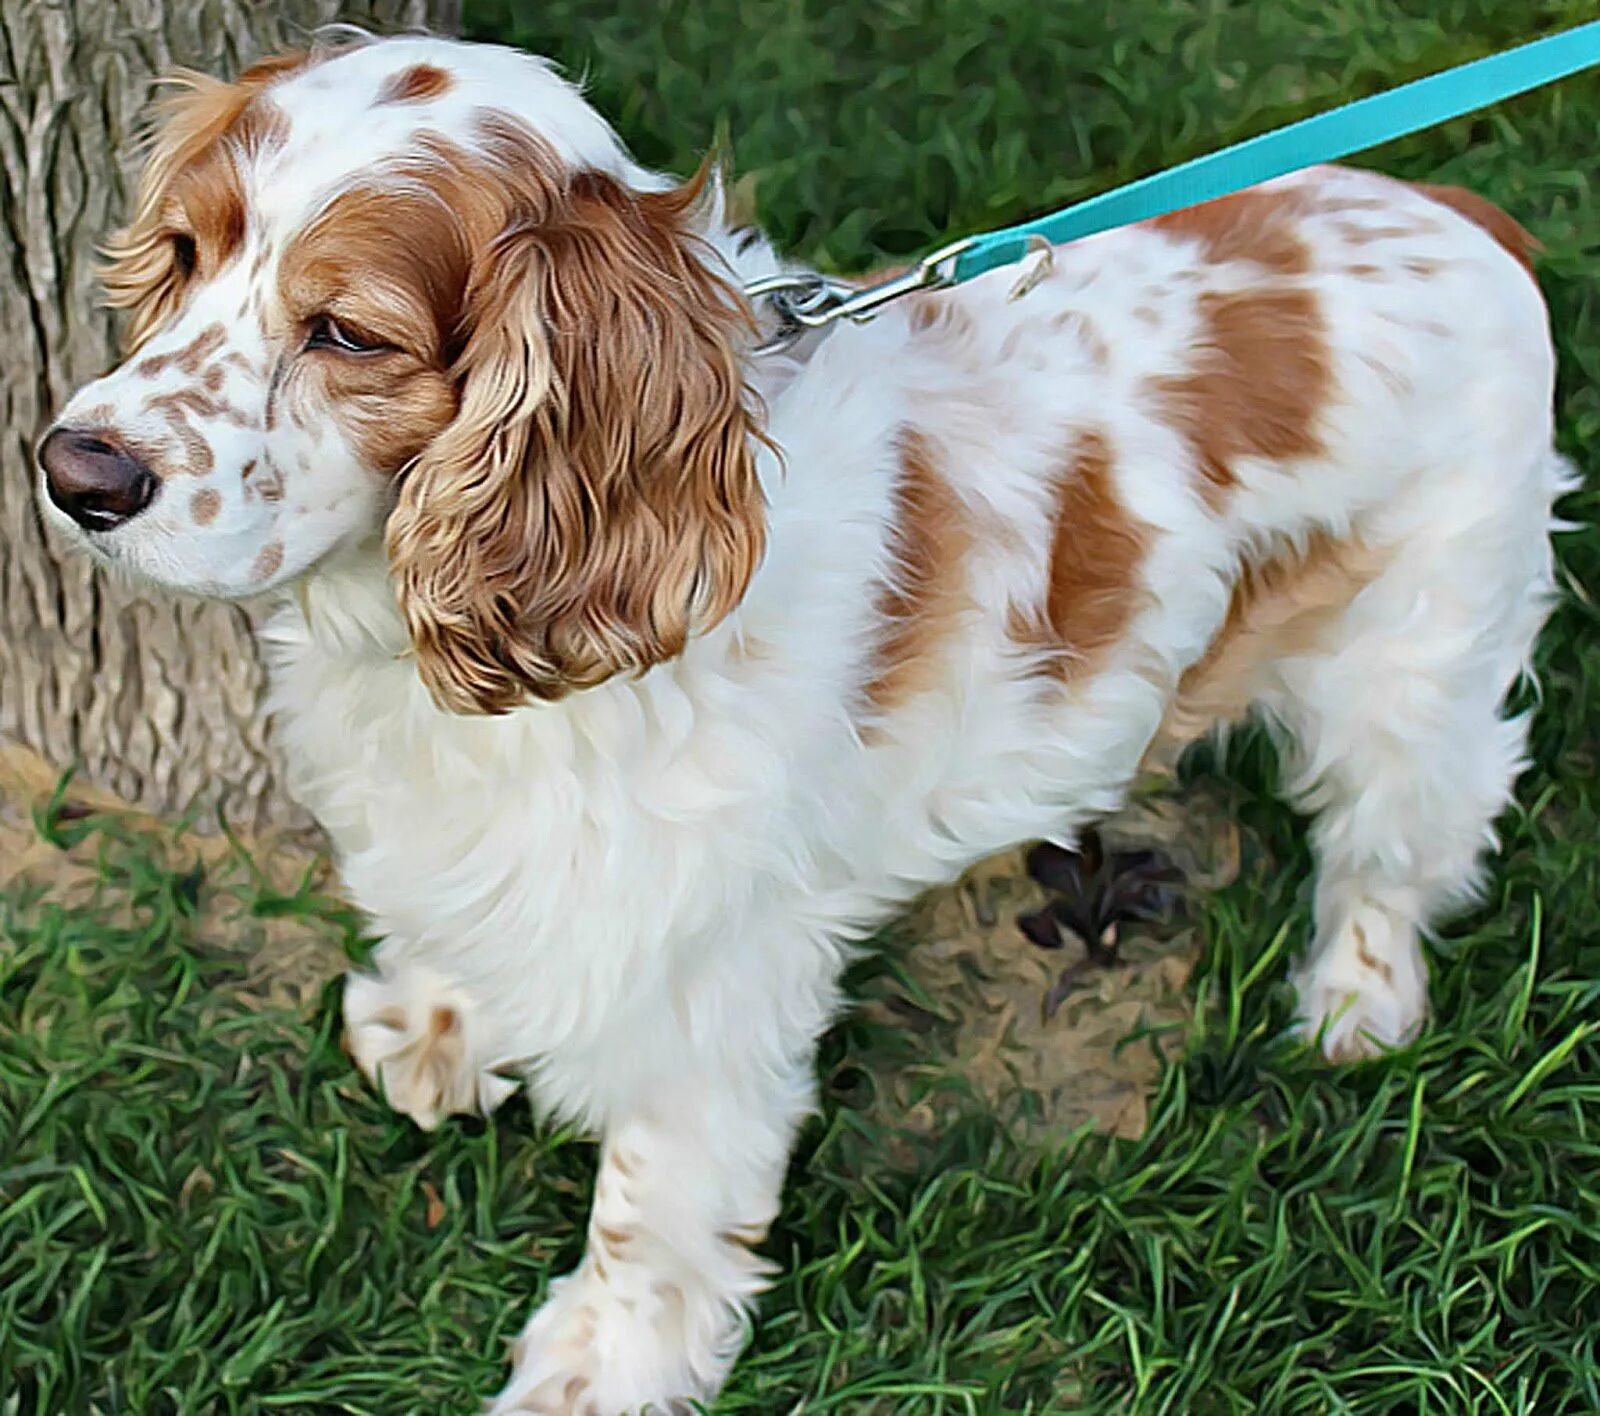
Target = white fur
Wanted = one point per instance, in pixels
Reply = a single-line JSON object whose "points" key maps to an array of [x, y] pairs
{"points": [[639, 898]]}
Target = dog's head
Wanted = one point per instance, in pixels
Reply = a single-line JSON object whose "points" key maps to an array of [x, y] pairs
{"points": [[416, 287]]}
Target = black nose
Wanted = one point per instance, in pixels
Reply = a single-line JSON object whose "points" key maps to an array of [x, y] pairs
{"points": [[94, 479]]}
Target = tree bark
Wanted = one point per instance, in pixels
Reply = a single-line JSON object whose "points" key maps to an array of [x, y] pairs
{"points": [[153, 697]]}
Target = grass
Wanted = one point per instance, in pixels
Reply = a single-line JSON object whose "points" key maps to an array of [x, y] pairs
{"points": [[203, 1210]]}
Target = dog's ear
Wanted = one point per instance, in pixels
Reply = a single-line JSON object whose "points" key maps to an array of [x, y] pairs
{"points": [[149, 262], [595, 499]]}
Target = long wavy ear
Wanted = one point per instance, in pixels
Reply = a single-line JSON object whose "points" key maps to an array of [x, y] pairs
{"points": [[595, 500], [147, 262]]}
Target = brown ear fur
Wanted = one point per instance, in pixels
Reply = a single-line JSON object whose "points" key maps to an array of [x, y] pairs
{"points": [[596, 498], [141, 273]]}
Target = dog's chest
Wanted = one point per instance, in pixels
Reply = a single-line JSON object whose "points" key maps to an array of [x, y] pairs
{"points": [[549, 836]]}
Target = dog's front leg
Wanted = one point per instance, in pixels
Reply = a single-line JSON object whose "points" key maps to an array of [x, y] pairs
{"points": [[689, 1180], [423, 1042]]}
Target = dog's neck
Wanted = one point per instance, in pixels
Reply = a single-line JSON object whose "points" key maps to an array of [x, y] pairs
{"points": [[349, 605]]}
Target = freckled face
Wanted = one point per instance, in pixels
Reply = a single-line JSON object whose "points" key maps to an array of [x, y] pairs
{"points": [[292, 355]]}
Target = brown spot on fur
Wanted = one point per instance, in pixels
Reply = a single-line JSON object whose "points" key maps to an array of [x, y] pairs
{"points": [[199, 459], [930, 314], [1505, 229], [213, 378], [442, 1022], [204, 506], [925, 598], [417, 84], [671, 1296], [394, 1018], [1083, 330], [1364, 271], [1367, 957], [615, 1238], [1252, 225], [185, 401], [1257, 386], [1282, 606], [1334, 205], [1145, 315], [1358, 235], [190, 400], [188, 359], [587, 1320], [268, 487], [1095, 555], [265, 72], [1423, 269], [748, 1236], [268, 564], [1395, 381]]}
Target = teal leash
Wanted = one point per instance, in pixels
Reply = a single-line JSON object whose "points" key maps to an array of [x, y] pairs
{"points": [[808, 301]]}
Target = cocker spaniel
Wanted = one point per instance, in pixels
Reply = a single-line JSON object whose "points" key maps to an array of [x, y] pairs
{"points": [[637, 675]]}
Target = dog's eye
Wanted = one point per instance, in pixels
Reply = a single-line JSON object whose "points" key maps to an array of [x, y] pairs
{"points": [[325, 332], [184, 254]]}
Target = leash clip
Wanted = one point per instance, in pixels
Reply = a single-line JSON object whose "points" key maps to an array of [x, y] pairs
{"points": [[1042, 256], [806, 301]]}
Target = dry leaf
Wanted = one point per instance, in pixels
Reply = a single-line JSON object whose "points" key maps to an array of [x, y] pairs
{"points": [[436, 1211]]}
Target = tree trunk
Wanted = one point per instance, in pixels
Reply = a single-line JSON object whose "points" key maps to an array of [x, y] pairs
{"points": [[153, 697]]}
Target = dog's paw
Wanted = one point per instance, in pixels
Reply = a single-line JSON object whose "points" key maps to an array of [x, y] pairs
{"points": [[1364, 989], [413, 1038], [604, 1349]]}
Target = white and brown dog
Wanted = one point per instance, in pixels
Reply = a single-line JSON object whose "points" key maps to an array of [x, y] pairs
{"points": [[637, 676]]}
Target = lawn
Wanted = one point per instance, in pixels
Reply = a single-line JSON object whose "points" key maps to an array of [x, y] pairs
{"points": [[203, 1209]]}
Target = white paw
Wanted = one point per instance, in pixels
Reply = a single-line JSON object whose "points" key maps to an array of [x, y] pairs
{"points": [[413, 1037], [1364, 989], [614, 1349]]}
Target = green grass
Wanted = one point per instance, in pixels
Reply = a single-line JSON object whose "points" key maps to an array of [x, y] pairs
{"points": [[202, 1209]]}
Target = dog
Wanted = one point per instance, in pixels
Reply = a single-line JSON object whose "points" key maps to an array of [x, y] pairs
{"points": [[638, 674]]}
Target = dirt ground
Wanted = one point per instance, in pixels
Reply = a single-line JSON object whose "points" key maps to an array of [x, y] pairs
{"points": [[970, 984], [1097, 1058], [284, 959]]}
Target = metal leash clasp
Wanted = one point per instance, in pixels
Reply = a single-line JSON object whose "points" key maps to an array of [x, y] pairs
{"points": [[806, 301]]}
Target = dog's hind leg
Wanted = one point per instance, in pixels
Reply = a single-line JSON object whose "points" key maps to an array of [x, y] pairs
{"points": [[1395, 741]]}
